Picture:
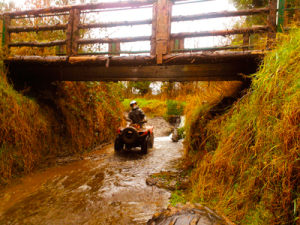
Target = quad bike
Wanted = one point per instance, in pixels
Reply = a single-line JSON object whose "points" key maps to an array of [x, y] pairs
{"points": [[135, 135]]}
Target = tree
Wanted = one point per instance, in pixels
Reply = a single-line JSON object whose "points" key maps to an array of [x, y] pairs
{"points": [[249, 4]]}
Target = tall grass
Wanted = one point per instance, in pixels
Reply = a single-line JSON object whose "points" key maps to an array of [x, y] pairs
{"points": [[91, 111], [85, 114], [252, 174], [25, 133]]}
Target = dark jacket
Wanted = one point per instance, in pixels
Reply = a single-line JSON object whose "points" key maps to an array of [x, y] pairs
{"points": [[136, 115]]}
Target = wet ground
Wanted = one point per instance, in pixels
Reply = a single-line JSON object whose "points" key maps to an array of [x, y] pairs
{"points": [[103, 188]]}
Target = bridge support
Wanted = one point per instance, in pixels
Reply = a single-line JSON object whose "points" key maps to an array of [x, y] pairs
{"points": [[163, 29], [5, 33], [183, 67], [272, 23]]}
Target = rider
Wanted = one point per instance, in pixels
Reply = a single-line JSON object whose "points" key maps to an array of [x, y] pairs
{"points": [[136, 115]]}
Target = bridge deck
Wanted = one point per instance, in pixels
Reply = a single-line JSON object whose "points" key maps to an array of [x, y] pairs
{"points": [[180, 67]]}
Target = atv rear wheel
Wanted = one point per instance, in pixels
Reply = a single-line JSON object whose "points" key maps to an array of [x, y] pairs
{"points": [[119, 145], [146, 145]]}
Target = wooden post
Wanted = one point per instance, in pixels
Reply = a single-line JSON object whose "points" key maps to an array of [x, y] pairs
{"points": [[69, 33], [170, 6], [59, 49], [163, 28], [297, 12], [5, 33], [280, 24], [154, 25], [246, 40], [177, 44], [272, 23], [75, 35], [114, 47]]}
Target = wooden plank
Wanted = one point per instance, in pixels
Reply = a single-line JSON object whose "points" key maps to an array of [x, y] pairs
{"points": [[251, 30], [113, 40], [162, 29], [280, 22], [88, 6], [70, 33], [59, 49], [246, 41], [112, 53], [115, 24], [114, 47], [75, 31], [211, 49], [211, 15], [116, 61], [272, 23], [154, 27], [170, 7], [220, 71], [181, 43], [17, 29], [118, 48], [37, 44], [177, 44], [6, 34], [36, 59]]}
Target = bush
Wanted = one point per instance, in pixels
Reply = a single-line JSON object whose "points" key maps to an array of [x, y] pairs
{"points": [[174, 108]]}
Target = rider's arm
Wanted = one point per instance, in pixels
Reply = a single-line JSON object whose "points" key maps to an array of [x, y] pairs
{"points": [[129, 117], [143, 116]]}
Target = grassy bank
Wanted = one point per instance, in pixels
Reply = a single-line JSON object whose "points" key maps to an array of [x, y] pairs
{"points": [[25, 133], [85, 114], [246, 162]]}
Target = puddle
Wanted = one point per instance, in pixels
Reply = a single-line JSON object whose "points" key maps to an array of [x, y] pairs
{"points": [[109, 190]]}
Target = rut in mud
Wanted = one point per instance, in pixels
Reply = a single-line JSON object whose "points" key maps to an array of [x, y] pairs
{"points": [[103, 188]]}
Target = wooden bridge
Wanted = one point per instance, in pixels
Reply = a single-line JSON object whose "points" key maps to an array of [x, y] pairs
{"points": [[168, 59]]}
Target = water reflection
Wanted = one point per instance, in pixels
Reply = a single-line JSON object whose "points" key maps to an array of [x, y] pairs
{"points": [[104, 188]]}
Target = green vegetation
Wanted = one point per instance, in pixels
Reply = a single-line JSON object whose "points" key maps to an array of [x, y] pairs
{"points": [[155, 107], [246, 162], [181, 132], [174, 108], [177, 197]]}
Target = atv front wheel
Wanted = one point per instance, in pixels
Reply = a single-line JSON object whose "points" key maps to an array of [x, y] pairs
{"points": [[152, 140], [146, 145], [118, 145]]}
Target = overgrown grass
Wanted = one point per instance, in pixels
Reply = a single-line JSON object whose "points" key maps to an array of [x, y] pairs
{"points": [[92, 112], [25, 133], [247, 161], [86, 114]]}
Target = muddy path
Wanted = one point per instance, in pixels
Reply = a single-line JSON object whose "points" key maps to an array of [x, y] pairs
{"points": [[103, 188]]}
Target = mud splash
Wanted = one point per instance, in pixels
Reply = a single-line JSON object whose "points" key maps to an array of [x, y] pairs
{"points": [[104, 188]]}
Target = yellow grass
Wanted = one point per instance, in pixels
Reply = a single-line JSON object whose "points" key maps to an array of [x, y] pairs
{"points": [[247, 161]]}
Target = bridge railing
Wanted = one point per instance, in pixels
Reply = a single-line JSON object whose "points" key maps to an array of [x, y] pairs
{"points": [[162, 41]]}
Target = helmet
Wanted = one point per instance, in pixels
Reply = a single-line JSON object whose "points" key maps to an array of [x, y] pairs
{"points": [[133, 103]]}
